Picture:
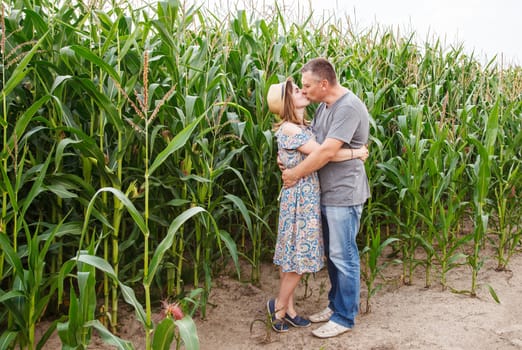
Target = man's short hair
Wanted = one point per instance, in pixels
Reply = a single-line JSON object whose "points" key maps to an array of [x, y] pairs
{"points": [[322, 68]]}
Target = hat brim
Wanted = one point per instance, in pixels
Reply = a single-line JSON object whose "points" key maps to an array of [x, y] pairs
{"points": [[275, 98]]}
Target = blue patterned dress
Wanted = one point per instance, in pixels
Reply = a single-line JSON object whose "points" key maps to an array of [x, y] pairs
{"points": [[299, 247]]}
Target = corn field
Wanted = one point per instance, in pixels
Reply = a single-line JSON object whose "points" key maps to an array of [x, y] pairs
{"points": [[138, 159]]}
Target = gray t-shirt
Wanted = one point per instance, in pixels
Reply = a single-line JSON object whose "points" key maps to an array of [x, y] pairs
{"points": [[343, 183]]}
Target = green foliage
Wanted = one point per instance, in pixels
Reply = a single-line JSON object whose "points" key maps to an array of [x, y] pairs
{"points": [[373, 267], [143, 137], [31, 289]]}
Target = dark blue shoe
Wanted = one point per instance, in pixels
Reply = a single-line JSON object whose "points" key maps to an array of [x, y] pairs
{"points": [[278, 324], [298, 321]]}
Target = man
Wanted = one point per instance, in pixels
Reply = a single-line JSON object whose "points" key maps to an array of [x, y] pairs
{"points": [[341, 121]]}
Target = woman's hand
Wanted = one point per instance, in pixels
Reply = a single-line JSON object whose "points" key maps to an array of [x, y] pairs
{"points": [[361, 153], [288, 178], [280, 164]]}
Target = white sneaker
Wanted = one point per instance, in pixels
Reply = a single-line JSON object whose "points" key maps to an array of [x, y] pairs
{"points": [[321, 316], [330, 329]]}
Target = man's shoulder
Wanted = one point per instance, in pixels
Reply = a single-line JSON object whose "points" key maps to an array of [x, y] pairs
{"points": [[351, 101]]}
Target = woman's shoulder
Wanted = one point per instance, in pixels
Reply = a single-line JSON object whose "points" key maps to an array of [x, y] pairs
{"points": [[291, 129]]}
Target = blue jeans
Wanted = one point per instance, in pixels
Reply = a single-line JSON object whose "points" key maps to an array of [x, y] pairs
{"points": [[340, 228]]}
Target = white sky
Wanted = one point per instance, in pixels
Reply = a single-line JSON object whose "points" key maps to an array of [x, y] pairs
{"points": [[487, 28]]}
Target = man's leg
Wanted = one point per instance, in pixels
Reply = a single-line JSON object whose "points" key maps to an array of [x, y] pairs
{"points": [[332, 273], [325, 314], [343, 262]]}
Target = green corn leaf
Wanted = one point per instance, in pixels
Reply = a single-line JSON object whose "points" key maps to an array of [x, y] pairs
{"points": [[138, 219], [188, 332], [96, 262], [60, 149], [166, 243], [48, 239], [14, 305], [7, 338], [130, 297], [454, 259], [24, 120], [61, 191], [9, 295], [232, 248], [36, 20], [86, 286], [65, 270], [103, 102], [97, 61], [493, 294], [67, 330], [12, 258], [110, 338], [37, 186], [90, 153], [59, 80], [238, 202], [110, 36], [492, 129], [481, 172], [164, 334], [8, 187], [176, 143], [20, 71], [165, 34], [127, 292]]}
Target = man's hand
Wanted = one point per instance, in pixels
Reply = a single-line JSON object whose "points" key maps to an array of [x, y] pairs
{"points": [[288, 177]]}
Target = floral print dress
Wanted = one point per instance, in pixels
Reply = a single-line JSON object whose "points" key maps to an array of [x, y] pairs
{"points": [[299, 247]]}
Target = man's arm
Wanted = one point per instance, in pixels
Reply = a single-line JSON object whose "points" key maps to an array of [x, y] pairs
{"points": [[341, 155], [314, 161]]}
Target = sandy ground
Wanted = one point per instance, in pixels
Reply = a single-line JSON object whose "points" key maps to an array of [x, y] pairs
{"points": [[402, 317]]}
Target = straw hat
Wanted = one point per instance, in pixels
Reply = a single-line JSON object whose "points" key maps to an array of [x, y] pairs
{"points": [[276, 98]]}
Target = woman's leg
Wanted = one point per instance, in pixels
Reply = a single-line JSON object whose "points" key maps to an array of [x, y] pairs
{"points": [[290, 310], [285, 299]]}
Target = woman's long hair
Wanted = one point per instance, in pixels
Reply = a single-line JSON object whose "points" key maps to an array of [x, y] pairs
{"points": [[289, 114]]}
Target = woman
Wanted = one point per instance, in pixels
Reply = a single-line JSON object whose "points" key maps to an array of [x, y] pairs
{"points": [[299, 247]]}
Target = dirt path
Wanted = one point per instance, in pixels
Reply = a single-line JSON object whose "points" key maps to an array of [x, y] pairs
{"points": [[402, 317]]}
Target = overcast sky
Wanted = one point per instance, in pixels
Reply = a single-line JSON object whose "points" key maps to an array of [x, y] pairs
{"points": [[484, 27]]}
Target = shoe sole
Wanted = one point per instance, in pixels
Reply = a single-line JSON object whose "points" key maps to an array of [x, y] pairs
{"points": [[322, 318], [297, 325], [331, 334], [279, 330]]}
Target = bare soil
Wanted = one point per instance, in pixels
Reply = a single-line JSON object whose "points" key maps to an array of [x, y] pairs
{"points": [[401, 317]]}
